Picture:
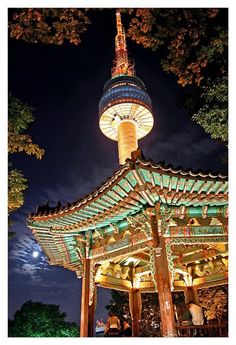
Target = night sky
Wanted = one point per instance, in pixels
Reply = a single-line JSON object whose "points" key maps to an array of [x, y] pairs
{"points": [[64, 84]]}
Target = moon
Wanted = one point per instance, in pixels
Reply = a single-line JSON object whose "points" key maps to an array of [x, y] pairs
{"points": [[35, 254]]}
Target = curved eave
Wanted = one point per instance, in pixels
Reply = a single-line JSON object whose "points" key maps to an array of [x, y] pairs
{"points": [[60, 250], [147, 183], [182, 172]]}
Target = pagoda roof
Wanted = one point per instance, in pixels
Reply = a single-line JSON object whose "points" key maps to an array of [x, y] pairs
{"points": [[136, 185]]}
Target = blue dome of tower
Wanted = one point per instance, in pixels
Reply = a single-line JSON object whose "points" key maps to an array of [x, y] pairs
{"points": [[124, 89]]}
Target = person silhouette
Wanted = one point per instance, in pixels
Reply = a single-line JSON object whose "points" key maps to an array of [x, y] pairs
{"points": [[127, 331], [112, 326], [197, 316]]}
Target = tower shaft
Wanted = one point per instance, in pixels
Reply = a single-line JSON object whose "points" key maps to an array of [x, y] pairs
{"points": [[127, 140]]}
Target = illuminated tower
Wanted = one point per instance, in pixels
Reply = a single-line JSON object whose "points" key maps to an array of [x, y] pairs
{"points": [[125, 108]]}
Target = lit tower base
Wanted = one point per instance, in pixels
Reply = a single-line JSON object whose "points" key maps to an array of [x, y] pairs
{"points": [[125, 108]]}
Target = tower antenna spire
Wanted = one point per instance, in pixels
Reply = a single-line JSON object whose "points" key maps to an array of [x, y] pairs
{"points": [[118, 23], [122, 65]]}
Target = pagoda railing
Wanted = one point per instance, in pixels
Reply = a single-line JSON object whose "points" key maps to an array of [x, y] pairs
{"points": [[209, 330]]}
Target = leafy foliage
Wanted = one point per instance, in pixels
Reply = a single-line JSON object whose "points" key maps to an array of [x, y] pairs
{"points": [[214, 301], [192, 39], [150, 317], [35, 319], [16, 186], [19, 117], [213, 115], [194, 45], [49, 25], [119, 303]]}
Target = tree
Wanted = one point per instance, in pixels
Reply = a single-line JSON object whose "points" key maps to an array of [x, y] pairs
{"points": [[192, 40], [36, 319], [119, 303], [33, 25], [213, 115], [20, 115], [150, 316], [214, 301], [193, 44], [16, 186], [49, 25]]}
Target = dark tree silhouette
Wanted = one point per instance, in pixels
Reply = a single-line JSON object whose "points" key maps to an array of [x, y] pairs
{"points": [[35, 319]]}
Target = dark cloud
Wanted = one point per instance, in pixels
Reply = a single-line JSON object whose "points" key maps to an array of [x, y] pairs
{"points": [[190, 149]]}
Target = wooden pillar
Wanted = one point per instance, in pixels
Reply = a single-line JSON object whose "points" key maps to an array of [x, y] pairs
{"points": [[164, 292], [84, 318], [91, 314], [191, 295], [135, 306], [162, 280]]}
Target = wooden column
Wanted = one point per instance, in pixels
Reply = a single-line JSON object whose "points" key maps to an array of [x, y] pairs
{"points": [[135, 306], [162, 280], [84, 318], [91, 314], [164, 292], [191, 295]]}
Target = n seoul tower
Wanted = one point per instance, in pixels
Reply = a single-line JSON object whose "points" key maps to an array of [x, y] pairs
{"points": [[125, 108]]}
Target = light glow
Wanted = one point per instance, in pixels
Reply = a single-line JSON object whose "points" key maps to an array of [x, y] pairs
{"points": [[35, 254], [126, 111]]}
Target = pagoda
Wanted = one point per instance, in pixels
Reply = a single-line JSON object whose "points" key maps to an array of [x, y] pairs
{"points": [[149, 228]]}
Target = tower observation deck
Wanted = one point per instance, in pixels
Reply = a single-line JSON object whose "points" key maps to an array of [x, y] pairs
{"points": [[125, 108]]}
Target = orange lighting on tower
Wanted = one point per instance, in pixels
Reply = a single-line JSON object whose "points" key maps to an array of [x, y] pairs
{"points": [[122, 64], [125, 108]]}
